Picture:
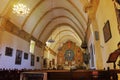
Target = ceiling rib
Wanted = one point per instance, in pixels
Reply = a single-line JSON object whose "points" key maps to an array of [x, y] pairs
{"points": [[61, 40], [58, 18], [60, 33], [8, 7], [65, 31], [47, 12], [78, 11], [63, 24], [38, 4], [31, 11], [55, 9]]}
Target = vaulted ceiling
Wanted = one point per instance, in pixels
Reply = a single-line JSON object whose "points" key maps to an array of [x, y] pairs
{"points": [[62, 20]]}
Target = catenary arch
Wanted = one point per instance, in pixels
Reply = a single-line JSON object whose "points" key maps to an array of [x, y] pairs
{"points": [[59, 24], [47, 12], [58, 37], [58, 17], [39, 3], [63, 40]]}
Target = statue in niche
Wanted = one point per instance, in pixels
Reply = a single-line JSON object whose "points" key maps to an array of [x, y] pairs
{"points": [[86, 58]]}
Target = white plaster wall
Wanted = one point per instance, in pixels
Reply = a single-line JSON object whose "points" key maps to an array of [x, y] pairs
{"points": [[9, 40], [49, 57], [106, 11], [38, 53]]}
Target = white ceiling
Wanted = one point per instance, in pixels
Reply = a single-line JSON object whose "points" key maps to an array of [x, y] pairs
{"points": [[62, 19]]}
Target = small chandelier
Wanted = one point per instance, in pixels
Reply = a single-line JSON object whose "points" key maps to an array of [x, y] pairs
{"points": [[51, 40], [20, 9]]}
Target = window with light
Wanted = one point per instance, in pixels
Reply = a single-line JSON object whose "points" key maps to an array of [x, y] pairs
{"points": [[32, 46]]}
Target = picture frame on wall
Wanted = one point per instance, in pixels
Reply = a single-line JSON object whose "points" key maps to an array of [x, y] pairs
{"points": [[107, 31], [37, 59], [18, 57], [45, 62], [32, 59], [8, 51], [25, 55]]}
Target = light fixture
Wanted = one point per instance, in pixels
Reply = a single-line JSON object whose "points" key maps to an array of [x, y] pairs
{"points": [[51, 40], [20, 9]]}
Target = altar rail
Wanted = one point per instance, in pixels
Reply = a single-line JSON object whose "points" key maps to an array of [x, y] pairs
{"points": [[64, 74], [82, 75]]}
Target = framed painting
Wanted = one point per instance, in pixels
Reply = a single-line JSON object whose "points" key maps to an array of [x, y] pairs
{"points": [[25, 55], [8, 51], [37, 59], [45, 62], [107, 31], [32, 59], [18, 57]]}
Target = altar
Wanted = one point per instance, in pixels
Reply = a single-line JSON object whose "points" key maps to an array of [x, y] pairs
{"points": [[69, 56]]}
